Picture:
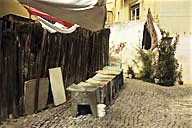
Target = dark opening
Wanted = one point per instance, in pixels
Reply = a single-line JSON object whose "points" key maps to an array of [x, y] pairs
{"points": [[84, 109]]}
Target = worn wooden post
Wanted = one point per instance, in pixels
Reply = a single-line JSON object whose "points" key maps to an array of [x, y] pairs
{"points": [[4, 75], [12, 69], [1, 69], [40, 60]]}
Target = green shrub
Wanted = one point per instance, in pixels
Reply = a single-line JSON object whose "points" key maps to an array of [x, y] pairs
{"points": [[130, 71], [166, 67], [146, 58]]}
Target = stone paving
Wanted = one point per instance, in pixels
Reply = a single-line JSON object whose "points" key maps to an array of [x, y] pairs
{"points": [[139, 105]]}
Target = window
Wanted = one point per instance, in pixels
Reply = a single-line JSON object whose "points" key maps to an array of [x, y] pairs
{"points": [[109, 17], [117, 17], [134, 11]]}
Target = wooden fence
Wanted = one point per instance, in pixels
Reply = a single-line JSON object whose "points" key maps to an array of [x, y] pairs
{"points": [[27, 51]]}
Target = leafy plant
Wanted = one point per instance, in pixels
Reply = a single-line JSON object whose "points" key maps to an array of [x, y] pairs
{"points": [[146, 59], [130, 71], [167, 63], [164, 33], [180, 76], [163, 66]]}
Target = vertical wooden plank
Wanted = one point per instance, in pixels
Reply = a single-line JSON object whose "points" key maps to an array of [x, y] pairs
{"points": [[21, 32], [46, 57], [44, 69], [14, 71], [11, 68], [17, 88], [58, 51], [77, 58], [20, 79], [71, 64], [40, 61], [30, 58], [1, 69], [8, 86], [63, 56], [85, 54], [15, 77], [7, 71], [4, 95], [83, 58], [92, 55], [27, 52], [68, 60], [52, 50]]}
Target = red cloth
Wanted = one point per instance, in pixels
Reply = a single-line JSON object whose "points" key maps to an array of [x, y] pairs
{"points": [[36, 12]]}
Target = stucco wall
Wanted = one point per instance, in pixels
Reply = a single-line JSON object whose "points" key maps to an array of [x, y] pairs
{"points": [[130, 34], [175, 16], [184, 57]]}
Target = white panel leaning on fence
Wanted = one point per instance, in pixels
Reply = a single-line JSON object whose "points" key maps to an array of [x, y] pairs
{"points": [[57, 87]]}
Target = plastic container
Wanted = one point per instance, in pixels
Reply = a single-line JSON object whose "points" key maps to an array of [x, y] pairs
{"points": [[101, 110]]}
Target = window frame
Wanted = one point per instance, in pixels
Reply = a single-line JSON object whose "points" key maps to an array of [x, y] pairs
{"points": [[135, 12]]}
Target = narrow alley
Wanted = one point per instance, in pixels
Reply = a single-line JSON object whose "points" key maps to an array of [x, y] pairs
{"points": [[139, 105]]}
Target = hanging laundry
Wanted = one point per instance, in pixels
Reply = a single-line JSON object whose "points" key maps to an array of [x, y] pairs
{"points": [[33, 11], [57, 27], [146, 42], [151, 33], [151, 29], [89, 14]]}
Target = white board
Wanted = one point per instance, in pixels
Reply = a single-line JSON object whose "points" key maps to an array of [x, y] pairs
{"points": [[57, 87]]}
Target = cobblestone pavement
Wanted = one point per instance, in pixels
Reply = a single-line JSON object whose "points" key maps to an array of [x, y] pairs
{"points": [[139, 105]]}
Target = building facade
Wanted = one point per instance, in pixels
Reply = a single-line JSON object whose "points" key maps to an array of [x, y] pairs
{"points": [[174, 16]]}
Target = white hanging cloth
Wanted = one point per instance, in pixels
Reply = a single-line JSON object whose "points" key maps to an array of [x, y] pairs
{"points": [[57, 27], [89, 14]]}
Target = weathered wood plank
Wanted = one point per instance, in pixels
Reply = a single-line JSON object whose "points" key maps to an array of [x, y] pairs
{"points": [[1, 67], [5, 74], [39, 71], [30, 92]]}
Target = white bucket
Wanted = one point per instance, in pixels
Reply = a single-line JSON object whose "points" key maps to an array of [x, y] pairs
{"points": [[101, 110]]}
